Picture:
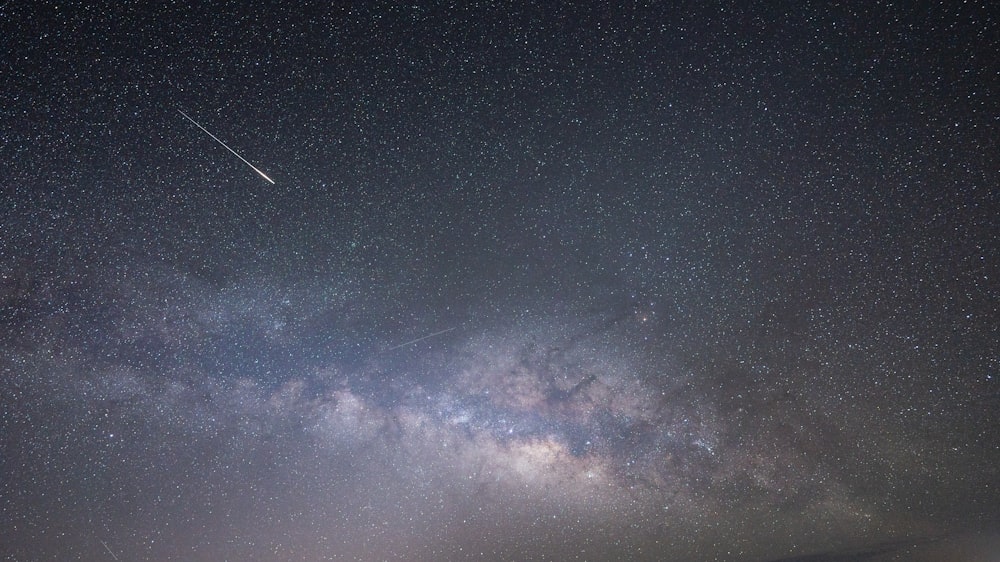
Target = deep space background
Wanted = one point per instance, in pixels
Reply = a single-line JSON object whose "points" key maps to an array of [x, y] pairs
{"points": [[534, 281]]}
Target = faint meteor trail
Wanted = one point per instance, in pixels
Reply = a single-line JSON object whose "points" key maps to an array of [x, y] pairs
{"points": [[411, 342], [109, 550], [218, 140]]}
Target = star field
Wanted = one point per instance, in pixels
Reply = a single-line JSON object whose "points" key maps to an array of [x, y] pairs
{"points": [[534, 281]]}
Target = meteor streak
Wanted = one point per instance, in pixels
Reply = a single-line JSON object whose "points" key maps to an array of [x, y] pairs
{"points": [[218, 140], [411, 342], [106, 544]]}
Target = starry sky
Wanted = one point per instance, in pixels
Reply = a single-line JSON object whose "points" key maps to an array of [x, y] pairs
{"points": [[533, 281]]}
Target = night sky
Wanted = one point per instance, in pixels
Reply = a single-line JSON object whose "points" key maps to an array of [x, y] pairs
{"points": [[533, 281]]}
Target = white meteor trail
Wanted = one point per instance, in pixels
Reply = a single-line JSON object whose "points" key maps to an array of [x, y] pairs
{"points": [[218, 140], [411, 342], [109, 550]]}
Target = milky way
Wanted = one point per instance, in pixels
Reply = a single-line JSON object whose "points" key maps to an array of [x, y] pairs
{"points": [[581, 432], [531, 282]]}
